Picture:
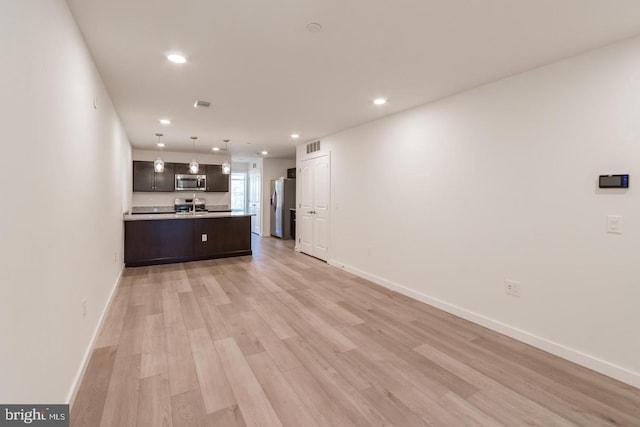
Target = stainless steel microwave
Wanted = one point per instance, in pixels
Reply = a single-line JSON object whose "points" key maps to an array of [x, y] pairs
{"points": [[191, 182]]}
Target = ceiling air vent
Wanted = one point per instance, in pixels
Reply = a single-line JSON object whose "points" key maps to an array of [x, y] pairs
{"points": [[202, 104], [313, 147]]}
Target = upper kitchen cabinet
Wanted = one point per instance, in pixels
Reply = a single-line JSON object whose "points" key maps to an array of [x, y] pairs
{"points": [[145, 178], [165, 181], [183, 169], [216, 180]]}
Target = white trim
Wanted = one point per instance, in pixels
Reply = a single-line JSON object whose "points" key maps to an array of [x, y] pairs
{"points": [[75, 386], [602, 366]]}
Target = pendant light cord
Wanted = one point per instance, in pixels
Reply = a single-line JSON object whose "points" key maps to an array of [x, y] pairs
{"points": [[158, 165], [194, 166]]}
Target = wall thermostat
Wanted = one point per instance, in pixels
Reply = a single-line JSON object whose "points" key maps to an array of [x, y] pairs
{"points": [[613, 181]]}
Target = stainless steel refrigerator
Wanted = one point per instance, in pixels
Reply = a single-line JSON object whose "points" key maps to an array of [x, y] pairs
{"points": [[283, 198]]}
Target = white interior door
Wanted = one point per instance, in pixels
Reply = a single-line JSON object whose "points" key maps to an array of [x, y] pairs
{"points": [[321, 184], [253, 203], [313, 209], [304, 220]]}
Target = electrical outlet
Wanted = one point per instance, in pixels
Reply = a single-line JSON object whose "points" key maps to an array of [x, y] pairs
{"points": [[204, 237], [84, 308], [512, 288]]}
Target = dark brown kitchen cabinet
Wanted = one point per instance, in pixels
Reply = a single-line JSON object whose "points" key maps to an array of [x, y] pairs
{"points": [[158, 242], [145, 178], [216, 180], [213, 237], [183, 169], [148, 242], [165, 181]]}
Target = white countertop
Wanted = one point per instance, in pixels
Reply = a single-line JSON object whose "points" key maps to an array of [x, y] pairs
{"points": [[147, 217]]}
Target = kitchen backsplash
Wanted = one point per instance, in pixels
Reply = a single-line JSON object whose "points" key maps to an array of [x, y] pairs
{"points": [[166, 199]]}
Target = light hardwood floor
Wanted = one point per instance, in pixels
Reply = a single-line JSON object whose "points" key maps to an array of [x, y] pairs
{"points": [[280, 338]]}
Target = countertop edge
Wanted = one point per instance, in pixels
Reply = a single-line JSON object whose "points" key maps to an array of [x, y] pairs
{"points": [[173, 216]]}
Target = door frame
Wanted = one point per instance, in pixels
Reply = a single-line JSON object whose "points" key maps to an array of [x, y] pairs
{"points": [[258, 172]]}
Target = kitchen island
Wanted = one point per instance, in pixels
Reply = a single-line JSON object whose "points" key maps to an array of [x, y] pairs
{"points": [[164, 238]]}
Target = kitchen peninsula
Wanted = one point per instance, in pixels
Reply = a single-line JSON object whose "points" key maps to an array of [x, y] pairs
{"points": [[164, 238]]}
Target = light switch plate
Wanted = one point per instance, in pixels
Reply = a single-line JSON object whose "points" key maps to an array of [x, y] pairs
{"points": [[614, 224], [204, 237]]}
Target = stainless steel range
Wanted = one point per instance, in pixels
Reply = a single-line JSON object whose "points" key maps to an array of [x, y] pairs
{"points": [[189, 205]]}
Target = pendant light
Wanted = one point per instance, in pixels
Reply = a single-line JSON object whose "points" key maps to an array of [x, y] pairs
{"points": [[158, 165], [226, 167], [194, 166]]}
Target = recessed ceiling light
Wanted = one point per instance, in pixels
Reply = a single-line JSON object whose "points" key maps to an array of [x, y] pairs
{"points": [[216, 148], [295, 136], [165, 121], [264, 153], [380, 101], [176, 59], [160, 144], [314, 27]]}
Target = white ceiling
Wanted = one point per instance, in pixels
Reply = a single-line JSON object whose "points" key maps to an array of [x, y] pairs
{"points": [[267, 76]]}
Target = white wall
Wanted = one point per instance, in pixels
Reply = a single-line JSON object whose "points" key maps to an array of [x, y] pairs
{"points": [[167, 199], [500, 183], [61, 227], [271, 169], [240, 166]]}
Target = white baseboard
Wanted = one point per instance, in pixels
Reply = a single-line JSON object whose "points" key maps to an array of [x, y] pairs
{"points": [[75, 386], [606, 368]]}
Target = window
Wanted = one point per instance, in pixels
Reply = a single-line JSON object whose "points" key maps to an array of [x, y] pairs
{"points": [[238, 191]]}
